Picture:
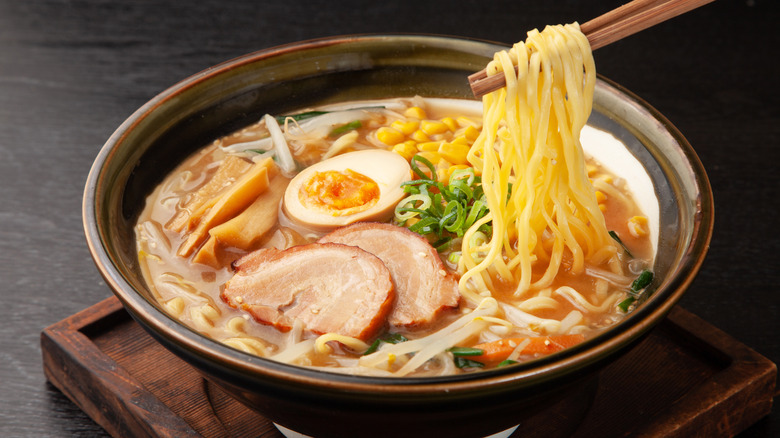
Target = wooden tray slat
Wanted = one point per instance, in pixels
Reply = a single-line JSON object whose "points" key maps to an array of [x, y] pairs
{"points": [[686, 378]]}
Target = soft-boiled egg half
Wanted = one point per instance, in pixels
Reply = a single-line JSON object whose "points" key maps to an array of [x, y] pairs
{"points": [[353, 187]]}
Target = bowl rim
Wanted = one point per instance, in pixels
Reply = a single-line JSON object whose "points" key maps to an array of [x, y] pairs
{"points": [[521, 375]]}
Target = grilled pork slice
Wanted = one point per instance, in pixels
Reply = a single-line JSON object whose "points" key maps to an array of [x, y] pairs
{"points": [[423, 286], [332, 288]]}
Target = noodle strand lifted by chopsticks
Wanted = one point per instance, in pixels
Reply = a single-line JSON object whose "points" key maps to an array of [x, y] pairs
{"points": [[542, 205]]}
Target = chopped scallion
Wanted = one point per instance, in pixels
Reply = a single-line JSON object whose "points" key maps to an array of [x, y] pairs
{"points": [[466, 351], [642, 281], [462, 362], [445, 210], [311, 114], [442, 244], [390, 338], [635, 292], [351, 126], [617, 239], [626, 304], [300, 116]]}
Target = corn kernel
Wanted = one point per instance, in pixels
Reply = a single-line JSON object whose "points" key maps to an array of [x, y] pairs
{"points": [[461, 140], [428, 146], [454, 153], [603, 208], [432, 127], [406, 127], [415, 112], [600, 196], [406, 149], [637, 226], [441, 175], [389, 136], [591, 169], [431, 156], [420, 136], [606, 178], [443, 163], [452, 125], [471, 133]]}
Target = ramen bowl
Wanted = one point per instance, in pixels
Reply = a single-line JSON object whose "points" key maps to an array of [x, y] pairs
{"points": [[228, 96]]}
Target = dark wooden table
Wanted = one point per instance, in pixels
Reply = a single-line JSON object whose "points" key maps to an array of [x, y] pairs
{"points": [[72, 70]]}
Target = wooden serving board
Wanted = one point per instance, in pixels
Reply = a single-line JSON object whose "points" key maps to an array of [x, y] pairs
{"points": [[686, 378]]}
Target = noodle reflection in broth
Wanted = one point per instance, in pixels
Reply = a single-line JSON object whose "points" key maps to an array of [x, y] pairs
{"points": [[410, 236]]}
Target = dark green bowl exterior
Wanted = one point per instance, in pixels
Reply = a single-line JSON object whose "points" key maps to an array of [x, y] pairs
{"points": [[223, 98]]}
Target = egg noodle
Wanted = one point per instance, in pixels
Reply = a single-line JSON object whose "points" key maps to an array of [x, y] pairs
{"points": [[533, 169], [541, 202]]}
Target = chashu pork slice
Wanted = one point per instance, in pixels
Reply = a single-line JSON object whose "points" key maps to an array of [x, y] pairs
{"points": [[332, 288], [423, 286]]}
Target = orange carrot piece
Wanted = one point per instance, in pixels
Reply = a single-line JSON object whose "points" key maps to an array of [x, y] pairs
{"points": [[497, 351]]}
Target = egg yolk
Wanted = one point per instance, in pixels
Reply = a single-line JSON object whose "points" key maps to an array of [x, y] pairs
{"points": [[339, 192]]}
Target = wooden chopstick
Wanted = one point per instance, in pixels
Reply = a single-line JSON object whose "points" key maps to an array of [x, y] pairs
{"points": [[606, 29], [619, 13]]}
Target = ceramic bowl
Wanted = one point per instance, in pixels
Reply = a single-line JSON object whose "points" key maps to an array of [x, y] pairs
{"points": [[236, 93]]}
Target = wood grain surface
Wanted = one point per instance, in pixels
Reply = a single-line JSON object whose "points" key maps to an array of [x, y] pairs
{"points": [[72, 70]]}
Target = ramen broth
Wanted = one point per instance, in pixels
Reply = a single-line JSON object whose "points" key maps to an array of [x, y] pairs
{"points": [[189, 287]]}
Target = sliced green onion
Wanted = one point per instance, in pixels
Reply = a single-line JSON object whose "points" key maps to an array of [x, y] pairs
{"points": [[453, 208], [373, 348], [462, 362], [626, 304], [416, 169], [457, 176], [408, 207], [425, 225], [394, 338], [477, 239], [300, 116], [412, 185], [402, 210], [390, 338], [454, 217], [617, 239], [466, 351], [635, 292], [442, 244], [506, 362], [478, 209], [351, 126], [311, 114], [641, 282]]}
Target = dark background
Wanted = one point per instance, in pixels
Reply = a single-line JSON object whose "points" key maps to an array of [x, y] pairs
{"points": [[72, 71]]}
